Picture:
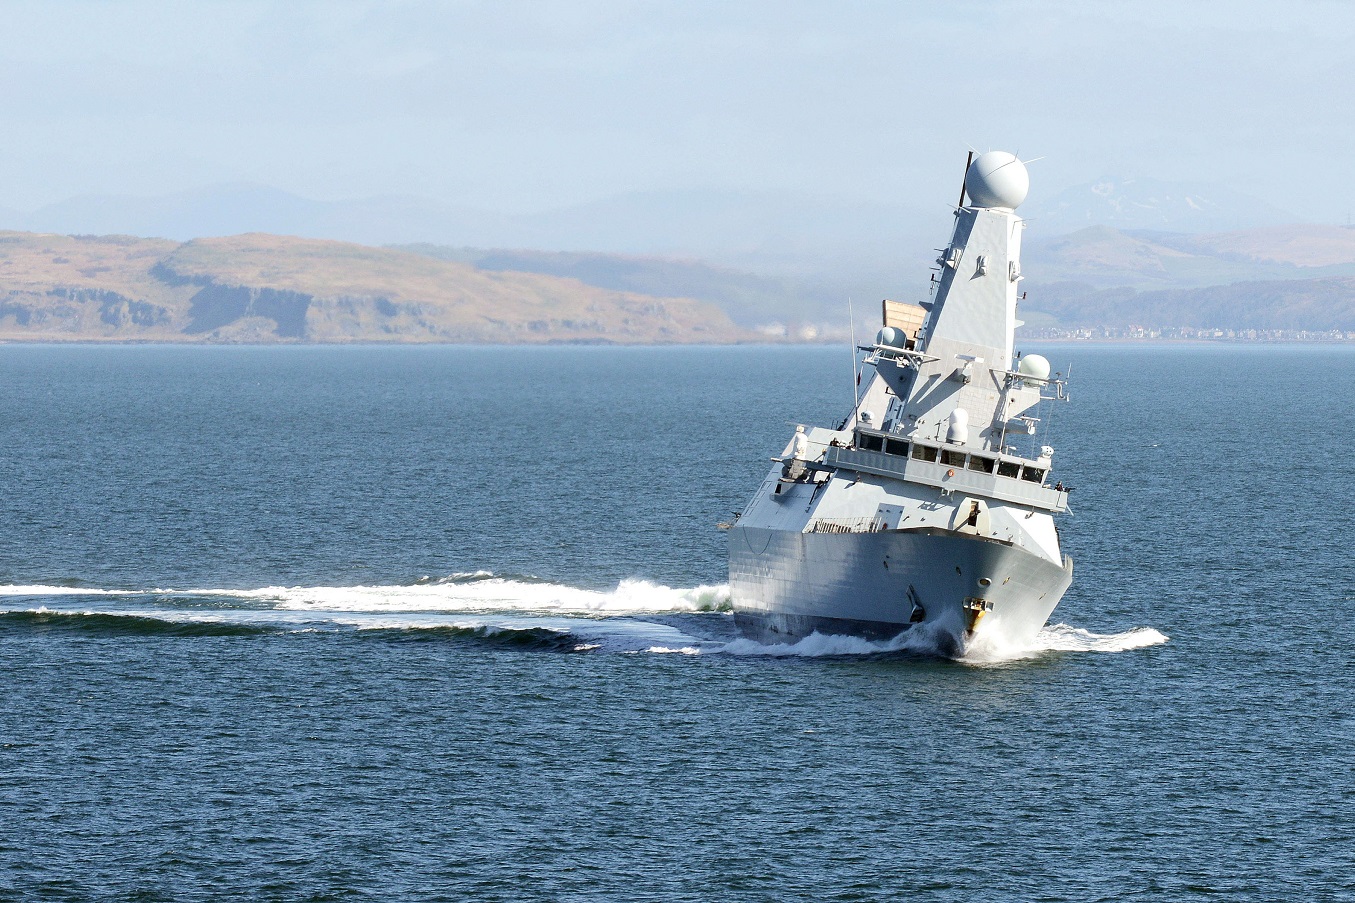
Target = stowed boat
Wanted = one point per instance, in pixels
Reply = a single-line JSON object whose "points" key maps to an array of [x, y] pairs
{"points": [[931, 507]]}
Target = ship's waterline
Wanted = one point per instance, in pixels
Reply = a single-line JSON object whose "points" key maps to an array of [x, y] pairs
{"points": [[876, 585]]}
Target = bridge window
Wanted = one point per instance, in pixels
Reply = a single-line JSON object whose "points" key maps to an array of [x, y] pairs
{"points": [[924, 453], [896, 447], [1032, 475], [983, 465], [871, 443], [1008, 469], [952, 458]]}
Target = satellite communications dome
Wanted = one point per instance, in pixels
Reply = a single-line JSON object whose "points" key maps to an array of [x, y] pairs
{"points": [[1034, 365], [891, 336], [997, 179]]}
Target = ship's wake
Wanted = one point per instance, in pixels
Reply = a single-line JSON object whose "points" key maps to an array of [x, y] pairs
{"points": [[481, 591], [478, 607], [636, 617]]}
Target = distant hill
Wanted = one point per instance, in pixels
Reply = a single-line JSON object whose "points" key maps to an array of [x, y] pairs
{"points": [[1296, 277], [1289, 305], [1096, 276], [1307, 247], [1104, 257], [749, 299], [268, 288]]}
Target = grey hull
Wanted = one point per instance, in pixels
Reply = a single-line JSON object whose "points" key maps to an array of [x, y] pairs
{"points": [[786, 585]]}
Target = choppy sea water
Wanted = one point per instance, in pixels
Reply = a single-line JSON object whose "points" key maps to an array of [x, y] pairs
{"points": [[451, 623]]}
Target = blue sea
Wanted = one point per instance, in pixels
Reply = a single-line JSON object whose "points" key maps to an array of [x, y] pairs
{"points": [[450, 623]]}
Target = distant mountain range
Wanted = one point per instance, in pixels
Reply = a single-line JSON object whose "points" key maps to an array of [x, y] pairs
{"points": [[782, 235], [1305, 305], [1098, 276], [753, 264], [1148, 204], [790, 233], [798, 259], [1281, 277], [1105, 257]]}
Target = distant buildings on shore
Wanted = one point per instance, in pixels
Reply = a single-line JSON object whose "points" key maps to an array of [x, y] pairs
{"points": [[832, 333], [1188, 333]]}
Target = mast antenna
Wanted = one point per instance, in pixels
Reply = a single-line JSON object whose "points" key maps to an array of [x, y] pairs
{"points": [[967, 164], [856, 374]]}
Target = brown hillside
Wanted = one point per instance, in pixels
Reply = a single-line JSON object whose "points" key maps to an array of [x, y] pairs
{"points": [[274, 288]]}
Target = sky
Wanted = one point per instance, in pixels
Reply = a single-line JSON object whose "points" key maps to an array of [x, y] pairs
{"points": [[521, 107]]}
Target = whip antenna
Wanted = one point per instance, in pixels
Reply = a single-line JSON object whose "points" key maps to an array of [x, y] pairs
{"points": [[856, 374]]}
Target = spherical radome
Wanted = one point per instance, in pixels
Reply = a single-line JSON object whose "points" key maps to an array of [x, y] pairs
{"points": [[891, 336], [997, 179], [1034, 365]]}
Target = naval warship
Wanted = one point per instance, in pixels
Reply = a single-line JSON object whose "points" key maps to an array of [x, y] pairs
{"points": [[931, 507]]}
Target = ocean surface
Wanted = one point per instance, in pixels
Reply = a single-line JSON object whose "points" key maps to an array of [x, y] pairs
{"points": [[451, 623]]}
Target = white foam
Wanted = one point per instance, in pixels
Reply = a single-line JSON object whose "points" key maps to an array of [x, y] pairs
{"points": [[38, 589], [1062, 638], [1053, 638], [477, 593]]}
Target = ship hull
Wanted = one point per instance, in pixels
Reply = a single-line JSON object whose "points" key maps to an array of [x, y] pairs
{"points": [[957, 588]]}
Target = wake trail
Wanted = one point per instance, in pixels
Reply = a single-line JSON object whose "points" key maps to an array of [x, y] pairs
{"points": [[480, 605], [630, 597], [477, 592]]}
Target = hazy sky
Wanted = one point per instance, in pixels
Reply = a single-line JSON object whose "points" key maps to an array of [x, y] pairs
{"points": [[522, 106]]}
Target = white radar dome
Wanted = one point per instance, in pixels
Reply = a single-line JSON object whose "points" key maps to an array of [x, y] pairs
{"points": [[997, 179], [891, 336], [1035, 366]]}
